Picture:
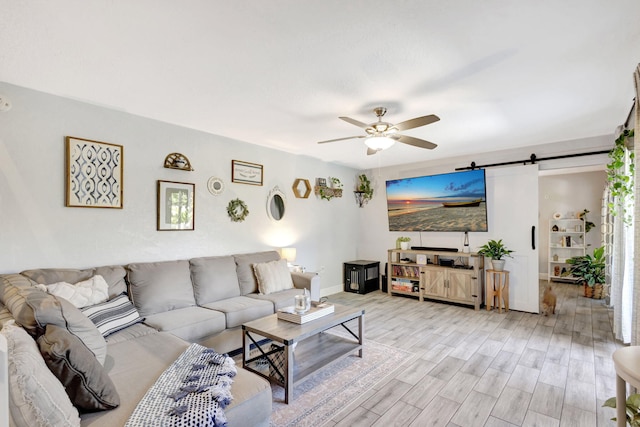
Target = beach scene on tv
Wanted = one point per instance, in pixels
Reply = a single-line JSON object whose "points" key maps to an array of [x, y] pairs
{"points": [[446, 202]]}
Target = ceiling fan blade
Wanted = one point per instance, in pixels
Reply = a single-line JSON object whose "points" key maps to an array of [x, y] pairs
{"points": [[340, 139], [354, 122], [371, 151], [417, 122], [416, 142]]}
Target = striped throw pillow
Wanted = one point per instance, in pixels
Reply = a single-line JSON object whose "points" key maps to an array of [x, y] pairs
{"points": [[113, 315]]}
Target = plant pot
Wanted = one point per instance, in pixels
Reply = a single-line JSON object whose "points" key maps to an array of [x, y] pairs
{"points": [[404, 246], [596, 291], [498, 264]]}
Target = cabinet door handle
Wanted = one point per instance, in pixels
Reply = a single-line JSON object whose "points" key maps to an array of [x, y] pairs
{"points": [[533, 237]]}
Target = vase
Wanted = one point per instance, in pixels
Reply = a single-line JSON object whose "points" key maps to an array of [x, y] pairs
{"points": [[498, 264], [404, 246]]}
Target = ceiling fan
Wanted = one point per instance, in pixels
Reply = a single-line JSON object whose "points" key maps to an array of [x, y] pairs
{"points": [[382, 135]]}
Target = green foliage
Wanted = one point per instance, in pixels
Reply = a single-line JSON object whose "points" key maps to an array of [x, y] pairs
{"points": [[632, 410], [237, 210], [588, 225], [494, 249], [621, 180], [403, 239], [589, 269], [365, 187]]}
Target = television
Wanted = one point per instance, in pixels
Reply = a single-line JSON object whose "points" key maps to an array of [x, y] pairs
{"points": [[446, 202]]}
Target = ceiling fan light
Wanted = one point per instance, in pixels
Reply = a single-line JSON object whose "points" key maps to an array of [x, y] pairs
{"points": [[379, 142]]}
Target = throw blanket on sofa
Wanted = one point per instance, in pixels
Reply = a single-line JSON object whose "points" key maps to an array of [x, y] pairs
{"points": [[193, 391]]}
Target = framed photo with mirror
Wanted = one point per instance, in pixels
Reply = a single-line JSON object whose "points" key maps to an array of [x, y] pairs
{"points": [[176, 203]]}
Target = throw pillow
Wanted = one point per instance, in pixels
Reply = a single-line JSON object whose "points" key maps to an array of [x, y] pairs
{"points": [[88, 292], [36, 397], [113, 315], [85, 380], [33, 309], [273, 276], [54, 310]]}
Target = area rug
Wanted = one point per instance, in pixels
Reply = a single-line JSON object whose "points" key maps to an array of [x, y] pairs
{"points": [[323, 394]]}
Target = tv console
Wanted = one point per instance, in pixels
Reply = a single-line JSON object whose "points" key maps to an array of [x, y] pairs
{"points": [[421, 274], [434, 249]]}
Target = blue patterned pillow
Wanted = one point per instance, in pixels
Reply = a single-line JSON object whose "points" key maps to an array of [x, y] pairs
{"points": [[113, 315]]}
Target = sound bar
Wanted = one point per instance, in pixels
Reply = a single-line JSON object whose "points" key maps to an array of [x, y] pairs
{"points": [[429, 248]]}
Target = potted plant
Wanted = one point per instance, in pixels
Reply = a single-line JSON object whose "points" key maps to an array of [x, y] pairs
{"points": [[590, 270], [363, 192], [495, 250], [632, 411], [403, 242]]}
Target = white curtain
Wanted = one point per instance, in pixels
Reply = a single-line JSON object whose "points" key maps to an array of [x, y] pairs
{"points": [[620, 240], [635, 339]]}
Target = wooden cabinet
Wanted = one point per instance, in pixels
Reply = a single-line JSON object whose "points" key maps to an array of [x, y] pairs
{"points": [[446, 276]]}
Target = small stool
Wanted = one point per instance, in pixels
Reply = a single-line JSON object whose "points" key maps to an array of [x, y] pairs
{"points": [[497, 287], [627, 364]]}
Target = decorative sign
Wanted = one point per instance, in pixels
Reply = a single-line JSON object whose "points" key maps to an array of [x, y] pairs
{"points": [[246, 173], [94, 174]]}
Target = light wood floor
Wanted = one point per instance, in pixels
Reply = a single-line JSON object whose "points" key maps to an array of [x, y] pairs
{"points": [[479, 368]]}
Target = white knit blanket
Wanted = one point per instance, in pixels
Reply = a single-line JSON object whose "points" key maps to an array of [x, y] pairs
{"points": [[193, 391]]}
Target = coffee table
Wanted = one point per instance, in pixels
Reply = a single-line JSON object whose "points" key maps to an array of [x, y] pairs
{"points": [[313, 348]]}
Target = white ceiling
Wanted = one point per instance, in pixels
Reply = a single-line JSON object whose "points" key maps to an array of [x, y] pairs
{"points": [[499, 73]]}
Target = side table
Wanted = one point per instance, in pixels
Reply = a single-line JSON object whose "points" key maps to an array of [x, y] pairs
{"points": [[497, 288]]}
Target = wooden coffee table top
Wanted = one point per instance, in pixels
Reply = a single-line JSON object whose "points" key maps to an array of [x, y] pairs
{"points": [[288, 332]]}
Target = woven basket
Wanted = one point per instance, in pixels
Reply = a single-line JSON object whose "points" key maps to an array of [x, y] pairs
{"points": [[596, 291]]}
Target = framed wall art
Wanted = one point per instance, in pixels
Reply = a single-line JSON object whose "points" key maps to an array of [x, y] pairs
{"points": [[246, 173], [94, 174], [176, 203]]}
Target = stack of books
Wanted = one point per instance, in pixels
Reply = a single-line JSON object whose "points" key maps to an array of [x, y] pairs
{"points": [[315, 312]]}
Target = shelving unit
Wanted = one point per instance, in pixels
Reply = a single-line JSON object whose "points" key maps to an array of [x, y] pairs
{"points": [[447, 276], [566, 240]]}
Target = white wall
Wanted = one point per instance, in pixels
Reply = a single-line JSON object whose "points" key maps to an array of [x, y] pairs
{"points": [[376, 239], [39, 231]]}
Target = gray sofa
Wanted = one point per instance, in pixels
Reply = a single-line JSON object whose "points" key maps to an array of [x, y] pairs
{"points": [[201, 300]]}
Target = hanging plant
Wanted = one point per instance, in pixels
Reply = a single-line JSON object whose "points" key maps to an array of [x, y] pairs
{"points": [[621, 180], [237, 210]]}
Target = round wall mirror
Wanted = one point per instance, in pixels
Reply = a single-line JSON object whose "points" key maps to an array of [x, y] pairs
{"points": [[276, 204]]}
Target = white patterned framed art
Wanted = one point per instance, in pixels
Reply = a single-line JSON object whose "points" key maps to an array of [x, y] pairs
{"points": [[94, 174]]}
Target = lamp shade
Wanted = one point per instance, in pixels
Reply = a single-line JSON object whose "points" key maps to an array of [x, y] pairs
{"points": [[289, 254], [379, 142]]}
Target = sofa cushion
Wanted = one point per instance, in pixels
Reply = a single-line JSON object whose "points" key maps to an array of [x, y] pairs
{"points": [[280, 299], [241, 309], [84, 379], [157, 287], [113, 315], [273, 276], [36, 397], [244, 268], [114, 275], [148, 357], [189, 323], [214, 278], [33, 309], [132, 332]]}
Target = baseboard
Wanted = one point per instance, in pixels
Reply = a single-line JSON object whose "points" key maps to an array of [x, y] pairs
{"points": [[330, 291]]}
